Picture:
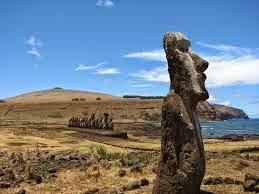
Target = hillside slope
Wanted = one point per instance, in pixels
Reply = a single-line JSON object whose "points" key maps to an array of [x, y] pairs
{"points": [[41, 103], [225, 112], [58, 95]]}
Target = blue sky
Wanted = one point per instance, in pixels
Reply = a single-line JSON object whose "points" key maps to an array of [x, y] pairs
{"points": [[115, 46]]}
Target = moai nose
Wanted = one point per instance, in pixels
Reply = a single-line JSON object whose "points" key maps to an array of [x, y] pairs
{"points": [[202, 65]]}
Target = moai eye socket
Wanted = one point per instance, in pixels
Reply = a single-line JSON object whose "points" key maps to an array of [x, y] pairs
{"points": [[183, 45]]}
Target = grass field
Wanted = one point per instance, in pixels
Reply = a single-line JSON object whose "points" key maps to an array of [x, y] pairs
{"points": [[39, 130]]}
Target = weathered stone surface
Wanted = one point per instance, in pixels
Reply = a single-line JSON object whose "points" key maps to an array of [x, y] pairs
{"points": [[256, 188], [238, 182], [136, 168], [122, 172], [91, 191], [208, 181], [249, 185], [2, 173], [17, 157], [131, 186], [21, 191], [220, 180], [114, 192], [52, 170], [144, 182], [4, 184], [233, 137], [228, 180], [182, 163], [250, 182]]}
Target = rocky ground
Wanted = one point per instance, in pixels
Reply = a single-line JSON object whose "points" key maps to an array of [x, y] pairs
{"points": [[48, 157], [101, 171]]}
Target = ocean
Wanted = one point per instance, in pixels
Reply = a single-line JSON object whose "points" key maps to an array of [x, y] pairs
{"points": [[236, 126]]}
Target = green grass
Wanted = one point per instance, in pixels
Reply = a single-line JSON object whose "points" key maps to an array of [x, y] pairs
{"points": [[55, 115], [68, 132], [102, 151]]}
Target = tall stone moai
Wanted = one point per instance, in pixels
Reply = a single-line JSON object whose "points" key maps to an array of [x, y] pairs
{"points": [[182, 164]]}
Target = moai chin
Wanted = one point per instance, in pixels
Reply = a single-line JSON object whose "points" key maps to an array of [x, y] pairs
{"points": [[182, 164]]}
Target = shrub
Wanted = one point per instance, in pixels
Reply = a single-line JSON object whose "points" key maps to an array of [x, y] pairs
{"points": [[57, 88], [143, 158], [75, 99], [98, 98], [2, 101], [55, 115], [82, 99], [100, 150]]}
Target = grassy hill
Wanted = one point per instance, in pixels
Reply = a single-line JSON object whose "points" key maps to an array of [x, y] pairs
{"points": [[59, 95]]}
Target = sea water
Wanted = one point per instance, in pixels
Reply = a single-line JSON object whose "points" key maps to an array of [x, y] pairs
{"points": [[235, 126]]}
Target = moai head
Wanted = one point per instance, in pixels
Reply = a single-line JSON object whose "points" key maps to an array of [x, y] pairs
{"points": [[186, 69]]}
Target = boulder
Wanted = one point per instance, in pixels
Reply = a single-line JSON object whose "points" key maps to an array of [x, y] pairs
{"points": [[233, 137], [208, 181], [250, 182], [238, 182], [17, 157], [2, 173], [91, 191], [256, 188], [52, 170], [249, 185], [5, 184], [136, 168], [121, 172], [114, 192], [21, 191], [228, 180], [218, 180], [131, 186], [144, 182], [74, 157]]}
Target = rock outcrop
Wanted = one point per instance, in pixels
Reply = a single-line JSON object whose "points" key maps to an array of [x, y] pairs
{"points": [[206, 111], [182, 164], [225, 112]]}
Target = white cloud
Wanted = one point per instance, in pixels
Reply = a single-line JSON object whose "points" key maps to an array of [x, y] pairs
{"points": [[82, 67], [236, 71], [157, 74], [212, 99], [226, 103], [107, 71], [230, 65], [154, 55], [226, 48], [35, 44], [140, 85], [34, 51], [105, 3]]}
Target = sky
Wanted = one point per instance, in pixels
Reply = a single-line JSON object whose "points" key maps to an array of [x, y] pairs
{"points": [[115, 46]]}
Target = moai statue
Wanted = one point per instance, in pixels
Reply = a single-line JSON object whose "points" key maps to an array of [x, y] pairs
{"points": [[85, 123], [100, 125], [92, 120], [106, 116], [182, 164], [70, 122], [110, 125]]}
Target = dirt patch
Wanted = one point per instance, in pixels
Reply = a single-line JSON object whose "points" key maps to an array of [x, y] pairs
{"points": [[17, 143]]}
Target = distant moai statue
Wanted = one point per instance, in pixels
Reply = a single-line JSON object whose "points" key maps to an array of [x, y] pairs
{"points": [[182, 164]]}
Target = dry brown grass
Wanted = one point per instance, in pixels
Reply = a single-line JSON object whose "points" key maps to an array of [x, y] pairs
{"points": [[58, 95]]}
